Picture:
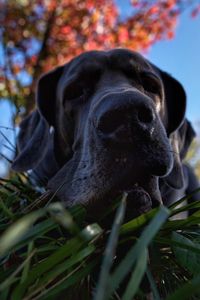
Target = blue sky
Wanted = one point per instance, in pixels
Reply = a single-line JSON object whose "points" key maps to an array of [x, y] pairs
{"points": [[181, 58]]}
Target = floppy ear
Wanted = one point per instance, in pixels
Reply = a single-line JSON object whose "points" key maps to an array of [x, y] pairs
{"points": [[175, 178], [175, 101], [180, 141], [32, 142], [46, 94], [187, 134], [175, 106], [33, 138]]}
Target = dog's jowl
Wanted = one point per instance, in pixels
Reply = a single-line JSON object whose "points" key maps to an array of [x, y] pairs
{"points": [[106, 122]]}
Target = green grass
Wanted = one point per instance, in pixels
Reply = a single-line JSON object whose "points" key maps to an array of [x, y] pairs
{"points": [[49, 252]]}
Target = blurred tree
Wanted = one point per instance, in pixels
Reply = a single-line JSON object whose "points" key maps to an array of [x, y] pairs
{"points": [[40, 34], [193, 155]]}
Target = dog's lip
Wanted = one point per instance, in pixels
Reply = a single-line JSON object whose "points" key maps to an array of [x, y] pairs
{"points": [[139, 199], [142, 196]]}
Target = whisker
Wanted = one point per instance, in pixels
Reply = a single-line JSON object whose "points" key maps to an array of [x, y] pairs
{"points": [[59, 188]]}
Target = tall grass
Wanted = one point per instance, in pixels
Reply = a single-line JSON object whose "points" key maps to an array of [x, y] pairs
{"points": [[50, 252]]}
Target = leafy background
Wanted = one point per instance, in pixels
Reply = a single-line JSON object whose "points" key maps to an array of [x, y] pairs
{"points": [[38, 35]]}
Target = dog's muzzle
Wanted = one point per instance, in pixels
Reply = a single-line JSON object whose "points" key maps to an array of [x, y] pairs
{"points": [[120, 122], [128, 122]]}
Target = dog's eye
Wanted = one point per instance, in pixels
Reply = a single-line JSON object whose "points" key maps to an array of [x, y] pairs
{"points": [[151, 83], [76, 94]]}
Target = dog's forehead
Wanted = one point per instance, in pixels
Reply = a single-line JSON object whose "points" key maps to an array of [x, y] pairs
{"points": [[115, 59], [122, 58]]}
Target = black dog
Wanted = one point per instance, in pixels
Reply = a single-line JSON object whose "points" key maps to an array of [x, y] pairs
{"points": [[105, 123]]}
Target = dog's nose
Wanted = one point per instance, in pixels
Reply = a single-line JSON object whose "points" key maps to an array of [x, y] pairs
{"points": [[126, 117]]}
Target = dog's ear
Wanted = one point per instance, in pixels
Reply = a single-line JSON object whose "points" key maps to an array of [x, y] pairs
{"points": [[175, 101], [46, 94], [175, 106], [32, 142], [180, 141], [34, 132], [187, 135], [175, 178]]}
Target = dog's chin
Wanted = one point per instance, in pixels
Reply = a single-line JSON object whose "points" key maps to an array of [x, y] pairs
{"points": [[99, 192], [141, 196]]}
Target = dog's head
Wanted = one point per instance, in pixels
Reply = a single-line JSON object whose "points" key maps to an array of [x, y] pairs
{"points": [[108, 117]]}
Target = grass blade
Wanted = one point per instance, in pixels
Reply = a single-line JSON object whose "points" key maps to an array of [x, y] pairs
{"points": [[124, 267], [70, 280], [66, 267], [52, 262], [27, 265], [187, 258], [153, 285], [17, 230], [186, 291], [185, 198], [63, 217], [110, 252], [136, 276], [138, 222], [11, 278]]}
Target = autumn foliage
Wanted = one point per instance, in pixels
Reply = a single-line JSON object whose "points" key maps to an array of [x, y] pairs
{"points": [[40, 34]]}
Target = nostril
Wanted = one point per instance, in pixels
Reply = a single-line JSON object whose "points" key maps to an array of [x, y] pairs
{"points": [[118, 121], [109, 122], [145, 115]]}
